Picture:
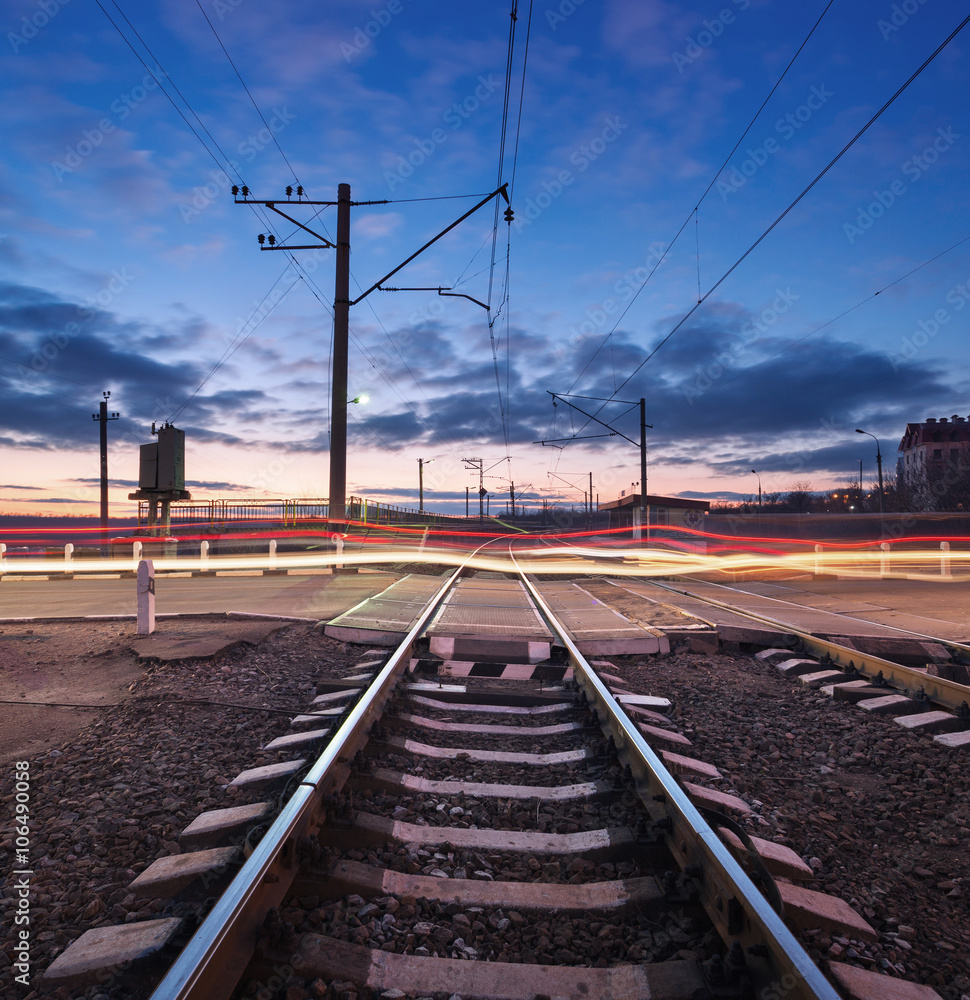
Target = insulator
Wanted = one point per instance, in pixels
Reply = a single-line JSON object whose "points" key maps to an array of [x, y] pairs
{"points": [[509, 215], [289, 191], [272, 240], [245, 191], [299, 192], [235, 190], [261, 238]]}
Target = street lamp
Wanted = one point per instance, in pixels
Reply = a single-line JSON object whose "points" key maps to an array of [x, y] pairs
{"points": [[422, 462], [753, 473], [878, 463]]}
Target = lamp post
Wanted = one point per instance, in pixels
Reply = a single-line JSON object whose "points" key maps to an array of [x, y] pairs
{"points": [[878, 463], [422, 462], [753, 473]]}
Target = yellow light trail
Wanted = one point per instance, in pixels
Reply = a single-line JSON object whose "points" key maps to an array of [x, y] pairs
{"points": [[543, 560]]}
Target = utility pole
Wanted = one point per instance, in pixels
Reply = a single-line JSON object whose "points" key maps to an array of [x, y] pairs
{"points": [[422, 462], [512, 496], [644, 509], [102, 416], [338, 386], [466, 501], [341, 305], [644, 523], [478, 463]]}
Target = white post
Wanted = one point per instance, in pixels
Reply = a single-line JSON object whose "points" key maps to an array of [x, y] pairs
{"points": [[818, 559], [944, 558], [136, 548], [69, 552], [146, 597], [339, 546], [883, 558], [424, 539], [204, 556], [272, 553]]}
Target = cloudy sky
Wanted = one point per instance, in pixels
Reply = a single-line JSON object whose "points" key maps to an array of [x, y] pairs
{"points": [[126, 267]]}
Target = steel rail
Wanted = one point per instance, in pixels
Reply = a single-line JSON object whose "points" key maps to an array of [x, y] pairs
{"points": [[226, 938], [736, 907], [950, 694]]}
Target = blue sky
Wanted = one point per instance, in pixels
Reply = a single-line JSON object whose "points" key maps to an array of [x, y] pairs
{"points": [[126, 267]]}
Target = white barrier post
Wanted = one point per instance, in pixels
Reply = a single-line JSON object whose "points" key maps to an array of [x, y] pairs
{"points": [[818, 559], [338, 543], [136, 548], [69, 552], [883, 558], [204, 556], [146, 597], [944, 558], [272, 553]]}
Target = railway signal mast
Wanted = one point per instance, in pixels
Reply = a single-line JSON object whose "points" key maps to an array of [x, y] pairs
{"points": [[642, 445]]}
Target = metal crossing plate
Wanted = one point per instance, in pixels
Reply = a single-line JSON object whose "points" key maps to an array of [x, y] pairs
{"points": [[394, 610], [489, 607], [596, 628]]}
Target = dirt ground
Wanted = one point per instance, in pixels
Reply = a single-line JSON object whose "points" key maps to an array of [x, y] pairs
{"points": [[46, 666]]}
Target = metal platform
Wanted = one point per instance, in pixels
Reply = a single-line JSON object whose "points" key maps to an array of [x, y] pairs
{"points": [[484, 619], [385, 618], [598, 630]]}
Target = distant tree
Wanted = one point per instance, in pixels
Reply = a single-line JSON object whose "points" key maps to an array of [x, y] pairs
{"points": [[798, 499]]}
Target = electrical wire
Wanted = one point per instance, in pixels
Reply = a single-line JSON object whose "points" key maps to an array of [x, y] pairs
{"points": [[835, 159], [387, 378], [808, 187], [237, 342], [518, 123], [835, 319], [705, 193], [248, 93]]}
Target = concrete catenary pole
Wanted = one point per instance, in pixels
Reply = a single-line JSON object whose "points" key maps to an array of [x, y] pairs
{"points": [[341, 324]]}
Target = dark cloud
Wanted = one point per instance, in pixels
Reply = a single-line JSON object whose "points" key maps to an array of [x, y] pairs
{"points": [[54, 352]]}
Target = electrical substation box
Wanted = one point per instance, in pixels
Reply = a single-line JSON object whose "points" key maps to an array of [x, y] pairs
{"points": [[161, 464]]}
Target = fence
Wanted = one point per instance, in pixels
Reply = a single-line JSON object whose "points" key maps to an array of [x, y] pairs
{"points": [[222, 514]]}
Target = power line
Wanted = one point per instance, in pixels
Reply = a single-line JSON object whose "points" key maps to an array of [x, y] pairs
{"points": [[845, 312], [835, 159], [237, 342], [794, 202], [706, 192], [249, 94]]}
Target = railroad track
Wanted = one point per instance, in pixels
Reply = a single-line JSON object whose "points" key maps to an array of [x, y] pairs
{"points": [[510, 836]]}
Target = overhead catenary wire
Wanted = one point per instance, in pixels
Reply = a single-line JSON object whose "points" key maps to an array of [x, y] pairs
{"points": [[795, 201], [248, 92], [835, 319], [237, 342], [704, 194], [293, 260], [384, 374]]}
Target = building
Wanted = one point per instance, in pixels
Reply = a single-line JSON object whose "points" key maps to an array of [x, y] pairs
{"points": [[661, 511], [934, 450]]}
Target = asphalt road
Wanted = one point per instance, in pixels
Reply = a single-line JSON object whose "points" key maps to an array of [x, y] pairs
{"points": [[302, 596]]}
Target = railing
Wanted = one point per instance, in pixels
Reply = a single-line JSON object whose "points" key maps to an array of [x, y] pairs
{"points": [[222, 513]]}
